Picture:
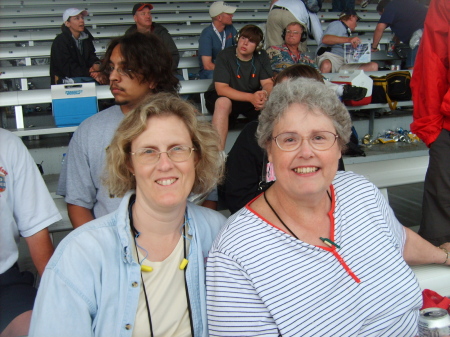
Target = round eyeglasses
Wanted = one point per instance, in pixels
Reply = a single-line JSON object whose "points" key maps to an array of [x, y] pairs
{"points": [[291, 141], [120, 71], [177, 154], [293, 32]]}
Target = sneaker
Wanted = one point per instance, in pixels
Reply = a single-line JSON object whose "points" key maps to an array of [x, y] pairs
{"points": [[364, 3], [353, 93]]}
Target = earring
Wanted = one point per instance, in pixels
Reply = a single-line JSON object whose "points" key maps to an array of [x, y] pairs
{"points": [[270, 172]]}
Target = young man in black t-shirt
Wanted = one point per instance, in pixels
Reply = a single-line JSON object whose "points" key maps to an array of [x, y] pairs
{"points": [[242, 81]]}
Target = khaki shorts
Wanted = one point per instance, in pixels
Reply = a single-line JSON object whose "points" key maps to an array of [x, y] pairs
{"points": [[337, 62]]}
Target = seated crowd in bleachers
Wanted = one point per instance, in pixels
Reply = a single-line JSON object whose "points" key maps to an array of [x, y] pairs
{"points": [[131, 170]]}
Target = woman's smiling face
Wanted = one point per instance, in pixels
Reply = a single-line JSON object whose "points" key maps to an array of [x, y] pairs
{"points": [[305, 171], [164, 183]]}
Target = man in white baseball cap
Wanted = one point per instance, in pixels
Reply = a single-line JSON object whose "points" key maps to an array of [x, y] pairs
{"points": [[216, 37], [72, 57], [73, 12]]}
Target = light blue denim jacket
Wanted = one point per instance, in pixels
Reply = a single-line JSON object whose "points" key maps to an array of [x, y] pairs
{"points": [[91, 285]]}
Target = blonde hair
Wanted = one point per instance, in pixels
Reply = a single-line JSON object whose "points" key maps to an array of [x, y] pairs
{"points": [[210, 165]]}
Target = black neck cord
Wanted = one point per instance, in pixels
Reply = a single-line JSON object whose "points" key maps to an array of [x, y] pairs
{"points": [[349, 31], [276, 214], [136, 234]]}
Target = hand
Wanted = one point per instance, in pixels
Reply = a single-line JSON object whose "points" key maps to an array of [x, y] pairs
{"points": [[374, 49], [258, 100], [262, 95], [95, 67], [355, 41], [99, 77]]}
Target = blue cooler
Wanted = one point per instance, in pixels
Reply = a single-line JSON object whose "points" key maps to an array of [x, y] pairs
{"points": [[73, 103]]}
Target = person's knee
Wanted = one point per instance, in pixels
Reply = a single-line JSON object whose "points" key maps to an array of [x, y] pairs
{"points": [[326, 66], [373, 66], [223, 106]]}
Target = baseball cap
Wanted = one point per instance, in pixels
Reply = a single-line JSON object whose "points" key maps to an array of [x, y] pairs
{"points": [[73, 12], [220, 7], [140, 6], [349, 12]]}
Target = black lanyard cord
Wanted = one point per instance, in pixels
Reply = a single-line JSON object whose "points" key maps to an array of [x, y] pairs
{"points": [[136, 235]]}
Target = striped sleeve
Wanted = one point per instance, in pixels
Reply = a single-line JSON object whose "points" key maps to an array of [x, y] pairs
{"points": [[395, 228], [234, 307], [354, 188]]}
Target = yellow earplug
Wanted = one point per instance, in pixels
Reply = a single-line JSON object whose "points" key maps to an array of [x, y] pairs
{"points": [[146, 268], [184, 263]]}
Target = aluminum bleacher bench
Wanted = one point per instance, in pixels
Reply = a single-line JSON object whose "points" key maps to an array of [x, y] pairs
{"points": [[42, 96], [326, 6], [182, 44], [100, 47], [362, 26], [81, 3], [365, 16], [127, 19], [48, 34], [24, 73], [123, 9]]}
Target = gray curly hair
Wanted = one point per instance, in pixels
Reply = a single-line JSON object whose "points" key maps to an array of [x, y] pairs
{"points": [[309, 92]]}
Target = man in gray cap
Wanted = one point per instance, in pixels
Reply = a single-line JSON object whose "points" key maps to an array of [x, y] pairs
{"points": [[216, 37], [142, 16]]}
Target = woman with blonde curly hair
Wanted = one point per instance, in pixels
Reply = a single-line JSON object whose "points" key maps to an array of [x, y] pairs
{"points": [[142, 267]]}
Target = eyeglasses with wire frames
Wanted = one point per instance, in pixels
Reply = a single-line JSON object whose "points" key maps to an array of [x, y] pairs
{"points": [[177, 154], [291, 141], [121, 71], [293, 32]]}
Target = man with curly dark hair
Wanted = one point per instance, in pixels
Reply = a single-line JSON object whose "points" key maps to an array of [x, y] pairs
{"points": [[137, 65]]}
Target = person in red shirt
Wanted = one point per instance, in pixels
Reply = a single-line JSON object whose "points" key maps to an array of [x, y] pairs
{"points": [[431, 96]]}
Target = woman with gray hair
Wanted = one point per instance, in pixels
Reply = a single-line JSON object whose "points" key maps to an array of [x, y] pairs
{"points": [[319, 253], [140, 271]]}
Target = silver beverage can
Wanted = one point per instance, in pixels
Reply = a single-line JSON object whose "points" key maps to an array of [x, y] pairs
{"points": [[393, 67], [434, 322]]}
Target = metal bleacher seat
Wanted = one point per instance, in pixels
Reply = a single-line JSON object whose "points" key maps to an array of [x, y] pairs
{"points": [[81, 3], [125, 19], [44, 50], [326, 6], [123, 8], [42, 96], [25, 73], [184, 44], [365, 16]]}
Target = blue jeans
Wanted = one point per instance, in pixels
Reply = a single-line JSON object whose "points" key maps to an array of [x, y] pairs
{"points": [[411, 58], [206, 74]]}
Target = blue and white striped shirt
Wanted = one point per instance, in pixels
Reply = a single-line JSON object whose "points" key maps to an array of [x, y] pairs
{"points": [[264, 282]]}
